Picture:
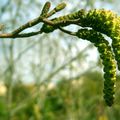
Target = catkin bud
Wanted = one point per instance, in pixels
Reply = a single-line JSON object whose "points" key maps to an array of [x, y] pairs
{"points": [[45, 9], [60, 7]]}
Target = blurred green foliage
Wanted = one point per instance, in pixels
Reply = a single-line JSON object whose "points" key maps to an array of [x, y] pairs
{"points": [[68, 100]]}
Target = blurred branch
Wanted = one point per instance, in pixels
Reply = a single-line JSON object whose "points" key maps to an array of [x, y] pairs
{"points": [[3, 8], [77, 77], [21, 54], [9, 80], [11, 72], [4, 49], [51, 75]]}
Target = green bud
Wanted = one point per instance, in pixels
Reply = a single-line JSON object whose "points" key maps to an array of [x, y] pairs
{"points": [[60, 7], [45, 9]]}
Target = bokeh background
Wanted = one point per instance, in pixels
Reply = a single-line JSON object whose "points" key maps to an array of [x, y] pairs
{"points": [[52, 76]]}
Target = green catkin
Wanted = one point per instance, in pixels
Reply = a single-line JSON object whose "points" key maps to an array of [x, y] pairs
{"points": [[107, 22], [62, 21], [107, 59]]}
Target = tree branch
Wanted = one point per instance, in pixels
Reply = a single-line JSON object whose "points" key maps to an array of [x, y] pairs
{"points": [[41, 18]]}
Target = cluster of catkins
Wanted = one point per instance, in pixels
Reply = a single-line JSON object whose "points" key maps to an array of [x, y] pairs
{"points": [[101, 22], [106, 22]]}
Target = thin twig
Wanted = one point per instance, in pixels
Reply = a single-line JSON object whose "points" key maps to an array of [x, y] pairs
{"points": [[28, 25], [68, 32], [15, 34]]}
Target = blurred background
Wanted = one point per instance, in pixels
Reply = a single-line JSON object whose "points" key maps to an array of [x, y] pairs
{"points": [[51, 76]]}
